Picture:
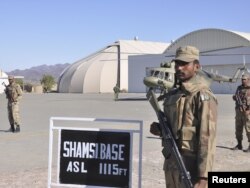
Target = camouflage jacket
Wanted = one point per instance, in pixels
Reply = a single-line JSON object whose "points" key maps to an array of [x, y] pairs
{"points": [[242, 98], [116, 89], [13, 92], [191, 110]]}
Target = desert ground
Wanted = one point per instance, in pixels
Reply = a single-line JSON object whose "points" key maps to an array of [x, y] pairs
{"points": [[24, 155]]}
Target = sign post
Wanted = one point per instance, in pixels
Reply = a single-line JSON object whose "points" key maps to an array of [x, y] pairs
{"points": [[94, 157]]}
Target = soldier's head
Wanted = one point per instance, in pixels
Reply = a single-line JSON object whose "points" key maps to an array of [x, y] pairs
{"points": [[245, 79], [11, 79], [186, 62]]}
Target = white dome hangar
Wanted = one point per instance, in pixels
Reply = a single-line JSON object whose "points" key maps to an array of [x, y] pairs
{"points": [[221, 51], [101, 71], [211, 39]]}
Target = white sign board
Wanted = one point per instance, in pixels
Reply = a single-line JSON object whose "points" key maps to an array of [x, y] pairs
{"points": [[94, 157]]}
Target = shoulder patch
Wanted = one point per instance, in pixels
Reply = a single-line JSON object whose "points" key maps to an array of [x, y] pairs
{"points": [[204, 97]]}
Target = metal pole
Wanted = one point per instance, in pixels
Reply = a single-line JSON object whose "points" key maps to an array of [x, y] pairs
{"points": [[118, 65]]}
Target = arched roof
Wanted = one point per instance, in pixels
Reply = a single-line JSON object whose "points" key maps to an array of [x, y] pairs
{"points": [[98, 71], [211, 39]]}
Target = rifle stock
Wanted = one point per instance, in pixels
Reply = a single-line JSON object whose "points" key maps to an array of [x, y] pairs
{"points": [[169, 144]]}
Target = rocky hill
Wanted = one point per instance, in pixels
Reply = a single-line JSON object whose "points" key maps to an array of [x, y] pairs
{"points": [[34, 74]]}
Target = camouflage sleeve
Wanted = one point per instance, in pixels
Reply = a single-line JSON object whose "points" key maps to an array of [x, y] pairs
{"points": [[248, 99], [236, 92], [19, 92], [207, 133]]}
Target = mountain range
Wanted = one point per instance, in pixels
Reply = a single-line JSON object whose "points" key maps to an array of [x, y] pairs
{"points": [[35, 74]]}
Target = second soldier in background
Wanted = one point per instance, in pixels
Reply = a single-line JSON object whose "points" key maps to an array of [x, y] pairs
{"points": [[13, 94], [242, 110]]}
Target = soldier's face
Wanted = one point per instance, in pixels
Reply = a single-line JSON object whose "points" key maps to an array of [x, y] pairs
{"points": [[244, 81], [185, 70], [11, 81]]}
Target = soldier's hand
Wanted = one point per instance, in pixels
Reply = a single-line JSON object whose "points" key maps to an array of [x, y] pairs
{"points": [[201, 184], [247, 112], [155, 129]]}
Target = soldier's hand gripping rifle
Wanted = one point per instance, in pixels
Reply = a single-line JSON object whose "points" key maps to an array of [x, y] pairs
{"points": [[169, 144]]}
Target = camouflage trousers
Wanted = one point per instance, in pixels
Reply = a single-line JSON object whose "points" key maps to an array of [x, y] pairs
{"points": [[172, 176], [13, 113], [172, 179], [116, 96], [242, 120]]}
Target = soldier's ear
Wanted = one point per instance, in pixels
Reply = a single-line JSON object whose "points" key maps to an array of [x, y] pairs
{"points": [[197, 65]]}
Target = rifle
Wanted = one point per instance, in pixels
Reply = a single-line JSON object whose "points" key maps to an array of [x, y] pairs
{"points": [[8, 94], [239, 101], [4, 84], [169, 144]]}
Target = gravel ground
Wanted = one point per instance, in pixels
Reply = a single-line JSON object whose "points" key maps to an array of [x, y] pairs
{"points": [[24, 158]]}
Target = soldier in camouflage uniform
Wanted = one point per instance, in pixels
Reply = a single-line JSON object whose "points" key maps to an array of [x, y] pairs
{"points": [[116, 90], [242, 110], [13, 94], [191, 110]]}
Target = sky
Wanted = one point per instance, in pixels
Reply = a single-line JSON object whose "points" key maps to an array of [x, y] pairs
{"points": [[37, 32]]}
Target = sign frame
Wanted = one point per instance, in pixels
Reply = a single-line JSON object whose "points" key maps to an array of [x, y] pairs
{"points": [[54, 129]]}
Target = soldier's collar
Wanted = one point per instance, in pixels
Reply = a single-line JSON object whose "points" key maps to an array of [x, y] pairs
{"points": [[193, 85]]}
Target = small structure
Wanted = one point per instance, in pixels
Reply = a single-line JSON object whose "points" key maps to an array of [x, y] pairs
{"points": [[37, 89], [3, 81]]}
